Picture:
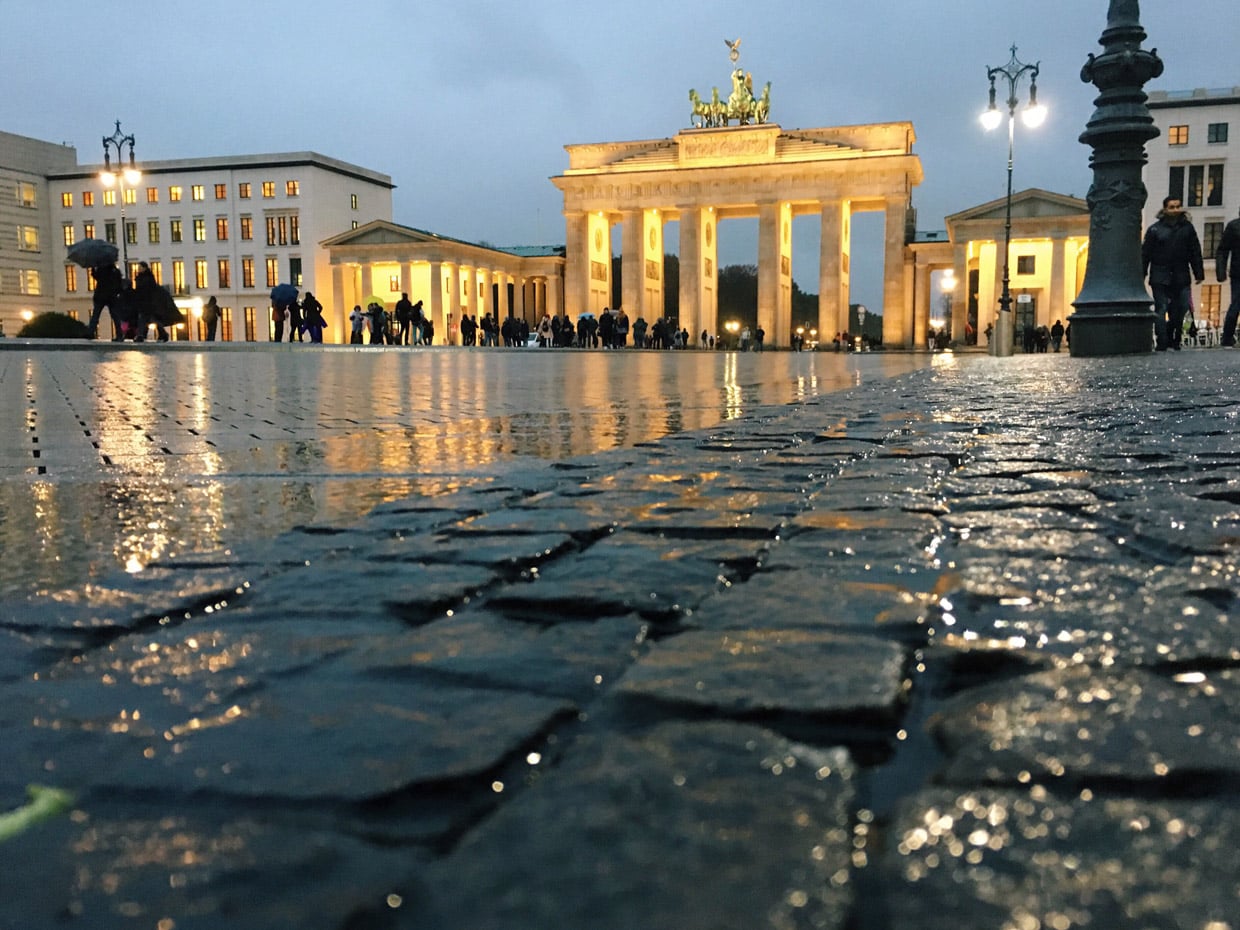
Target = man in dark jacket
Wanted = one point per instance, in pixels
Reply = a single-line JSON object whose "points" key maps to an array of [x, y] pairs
{"points": [[107, 290], [1229, 252], [1171, 256]]}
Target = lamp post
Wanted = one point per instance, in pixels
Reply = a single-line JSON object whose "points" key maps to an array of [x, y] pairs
{"points": [[1033, 116], [131, 175]]}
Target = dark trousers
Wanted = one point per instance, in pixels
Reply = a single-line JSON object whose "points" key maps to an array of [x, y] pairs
{"points": [[1170, 306], [279, 333], [1233, 315]]}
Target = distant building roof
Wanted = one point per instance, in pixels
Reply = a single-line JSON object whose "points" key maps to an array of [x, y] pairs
{"points": [[1198, 97], [535, 251], [239, 163], [931, 235]]}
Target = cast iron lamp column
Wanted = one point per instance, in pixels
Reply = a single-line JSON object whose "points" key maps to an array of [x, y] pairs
{"points": [[1032, 116], [1113, 315], [109, 177]]}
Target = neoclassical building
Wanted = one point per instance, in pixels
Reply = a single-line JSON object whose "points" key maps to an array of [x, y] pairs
{"points": [[702, 176]]}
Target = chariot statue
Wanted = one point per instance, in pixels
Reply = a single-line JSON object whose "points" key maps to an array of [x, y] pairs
{"points": [[741, 104]]}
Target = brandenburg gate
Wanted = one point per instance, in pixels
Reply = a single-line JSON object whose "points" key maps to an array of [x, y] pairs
{"points": [[717, 171]]}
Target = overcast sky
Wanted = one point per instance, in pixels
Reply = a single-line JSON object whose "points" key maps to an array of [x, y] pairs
{"points": [[468, 104]]}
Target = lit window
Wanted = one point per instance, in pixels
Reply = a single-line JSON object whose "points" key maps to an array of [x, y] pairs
{"points": [[226, 326], [70, 235], [26, 194], [198, 192], [131, 195], [250, 329], [28, 238], [71, 278], [66, 199], [152, 231], [353, 225], [221, 192], [152, 195], [200, 273], [1196, 185], [221, 229], [88, 231], [88, 198], [292, 188], [28, 280], [225, 272], [178, 276], [353, 201], [1214, 186], [273, 271], [394, 283], [174, 230], [282, 224], [243, 190], [247, 272], [200, 229], [174, 194], [271, 230], [1211, 299], [1216, 132], [269, 189], [157, 271], [247, 228], [109, 198], [1177, 135], [294, 230]]}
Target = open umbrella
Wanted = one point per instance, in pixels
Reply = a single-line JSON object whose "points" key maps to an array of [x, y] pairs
{"points": [[283, 294], [90, 253], [372, 299]]}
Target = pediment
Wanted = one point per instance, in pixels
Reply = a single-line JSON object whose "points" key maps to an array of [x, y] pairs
{"points": [[381, 232], [1033, 203]]}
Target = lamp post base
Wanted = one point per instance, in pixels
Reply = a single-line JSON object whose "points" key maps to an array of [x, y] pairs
{"points": [[1115, 330], [1001, 344]]}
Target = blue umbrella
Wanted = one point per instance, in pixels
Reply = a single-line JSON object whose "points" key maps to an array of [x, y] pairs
{"points": [[90, 253], [283, 294]]}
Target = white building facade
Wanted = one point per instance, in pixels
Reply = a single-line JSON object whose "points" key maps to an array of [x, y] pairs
{"points": [[1195, 159], [230, 227]]}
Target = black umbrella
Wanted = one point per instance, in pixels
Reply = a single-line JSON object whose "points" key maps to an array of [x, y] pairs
{"points": [[90, 253], [283, 294]]}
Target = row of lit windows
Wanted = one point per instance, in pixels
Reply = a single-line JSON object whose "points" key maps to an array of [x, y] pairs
{"points": [[1215, 132], [197, 192], [1205, 185], [201, 269], [281, 230], [29, 282]]}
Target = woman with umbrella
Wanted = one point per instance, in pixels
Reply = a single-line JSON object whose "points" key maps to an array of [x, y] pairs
{"points": [[100, 258]]}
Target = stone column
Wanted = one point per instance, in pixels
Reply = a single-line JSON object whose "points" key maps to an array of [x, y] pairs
{"points": [[652, 266], [923, 305], [367, 283], [1059, 296], [555, 305], [692, 317], [452, 306], [775, 272], [435, 307], [406, 277], [960, 298], [632, 262], [469, 290], [833, 262], [897, 324], [340, 328], [577, 265], [485, 300]]}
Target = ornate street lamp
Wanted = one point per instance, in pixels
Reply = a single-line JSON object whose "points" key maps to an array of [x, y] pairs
{"points": [[130, 175], [1032, 116], [1113, 315]]}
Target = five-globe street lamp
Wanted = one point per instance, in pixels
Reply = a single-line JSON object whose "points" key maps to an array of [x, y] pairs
{"points": [[1032, 116], [124, 175]]}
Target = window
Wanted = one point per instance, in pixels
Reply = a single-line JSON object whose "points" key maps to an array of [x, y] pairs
{"points": [[174, 231], [243, 190], [131, 269], [28, 238], [271, 231], [131, 195], [394, 283], [178, 276], [200, 273], [247, 228], [221, 192], [174, 194], [269, 189], [1214, 186], [152, 231], [88, 231], [109, 231], [247, 272], [294, 271], [353, 225], [198, 192], [1196, 185], [157, 269], [1213, 234], [66, 199], [88, 200], [282, 225], [131, 232], [224, 271], [152, 195], [71, 278], [249, 323], [1216, 132], [226, 331], [1211, 299], [221, 229], [294, 230], [69, 234], [353, 201], [1177, 135], [109, 198], [292, 188], [26, 195], [29, 283], [1175, 182], [1026, 264], [200, 229], [273, 271]]}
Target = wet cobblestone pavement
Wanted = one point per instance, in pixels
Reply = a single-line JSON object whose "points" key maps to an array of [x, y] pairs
{"points": [[951, 649]]}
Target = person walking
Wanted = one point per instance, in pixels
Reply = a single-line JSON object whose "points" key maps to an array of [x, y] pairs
{"points": [[404, 319], [357, 322], [294, 319], [1171, 257], [1057, 335], [1229, 256], [107, 290], [211, 317], [147, 296], [311, 310]]}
